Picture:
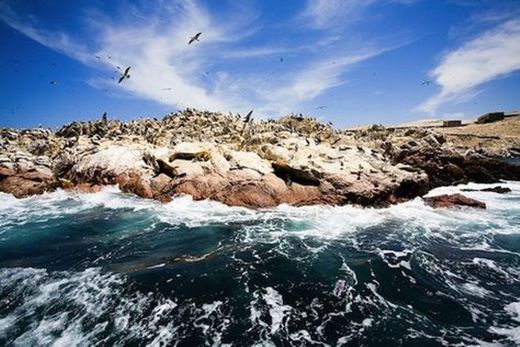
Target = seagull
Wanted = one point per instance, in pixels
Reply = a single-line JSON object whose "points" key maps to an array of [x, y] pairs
{"points": [[426, 83], [194, 38], [248, 116], [124, 75], [321, 107], [281, 58], [53, 82], [246, 121]]}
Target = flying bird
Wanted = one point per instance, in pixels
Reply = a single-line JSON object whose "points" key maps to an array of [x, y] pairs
{"points": [[426, 83], [321, 107], [53, 82], [281, 59], [124, 75], [194, 38]]}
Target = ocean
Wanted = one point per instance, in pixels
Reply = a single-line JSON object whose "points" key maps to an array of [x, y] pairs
{"points": [[110, 269]]}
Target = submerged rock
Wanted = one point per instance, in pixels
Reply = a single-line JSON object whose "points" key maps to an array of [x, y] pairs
{"points": [[497, 189]]}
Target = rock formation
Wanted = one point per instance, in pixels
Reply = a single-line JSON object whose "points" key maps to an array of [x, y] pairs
{"points": [[294, 160], [453, 200]]}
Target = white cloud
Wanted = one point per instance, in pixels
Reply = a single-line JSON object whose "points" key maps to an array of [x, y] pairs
{"points": [[492, 55], [164, 68], [57, 41], [256, 52], [319, 14], [316, 79]]}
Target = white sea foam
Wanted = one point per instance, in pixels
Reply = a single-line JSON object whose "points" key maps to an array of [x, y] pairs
{"points": [[277, 309], [512, 333], [514, 310], [328, 222], [95, 299]]}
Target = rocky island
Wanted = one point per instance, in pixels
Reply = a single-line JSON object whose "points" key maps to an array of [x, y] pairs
{"points": [[239, 161]]}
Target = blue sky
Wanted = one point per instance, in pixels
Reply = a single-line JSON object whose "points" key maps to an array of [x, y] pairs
{"points": [[364, 60]]}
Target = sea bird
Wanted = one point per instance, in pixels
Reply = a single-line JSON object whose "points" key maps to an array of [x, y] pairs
{"points": [[426, 83], [248, 116], [321, 107], [194, 38], [246, 121], [124, 75]]}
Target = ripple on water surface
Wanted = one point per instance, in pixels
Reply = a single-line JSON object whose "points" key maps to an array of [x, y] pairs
{"points": [[108, 268]]}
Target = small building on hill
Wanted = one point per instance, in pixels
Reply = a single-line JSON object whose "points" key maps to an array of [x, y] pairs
{"points": [[451, 123], [490, 117]]}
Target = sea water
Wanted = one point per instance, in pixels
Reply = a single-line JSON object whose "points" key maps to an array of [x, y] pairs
{"points": [[112, 269]]}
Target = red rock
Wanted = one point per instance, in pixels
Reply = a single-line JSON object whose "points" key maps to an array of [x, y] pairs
{"points": [[160, 182], [21, 187], [160, 186], [392, 199], [453, 200], [133, 183], [236, 189], [39, 175], [65, 184], [6, 172]]}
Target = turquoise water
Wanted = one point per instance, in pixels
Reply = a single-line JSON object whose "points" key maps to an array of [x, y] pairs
{"points": [[111, 269]]}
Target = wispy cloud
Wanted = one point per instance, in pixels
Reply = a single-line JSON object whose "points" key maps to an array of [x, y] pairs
{"points": [[206, 74], [316, 79], [60, 42], [256, 52], [492, 55], [320, 14], [338, 14]]}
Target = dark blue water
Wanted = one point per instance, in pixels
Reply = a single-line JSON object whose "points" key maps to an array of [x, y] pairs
{"points": [[109, 269]]}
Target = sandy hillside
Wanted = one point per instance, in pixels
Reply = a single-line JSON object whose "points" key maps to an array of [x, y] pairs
{"points": [[492, 137]]}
